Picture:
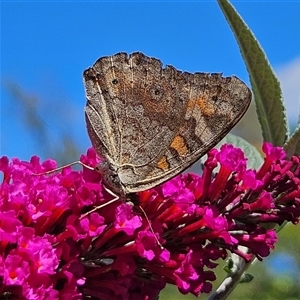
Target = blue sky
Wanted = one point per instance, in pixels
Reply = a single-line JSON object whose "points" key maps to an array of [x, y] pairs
{"points": [[45, 46]]}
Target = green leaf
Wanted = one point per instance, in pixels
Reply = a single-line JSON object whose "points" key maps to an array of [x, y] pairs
{"points": [[247, 277], [254, 157], [228, 267], [265, 85], [292, 146]]}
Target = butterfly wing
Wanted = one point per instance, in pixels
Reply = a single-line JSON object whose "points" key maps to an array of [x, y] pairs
{"points": [[149, 123]]}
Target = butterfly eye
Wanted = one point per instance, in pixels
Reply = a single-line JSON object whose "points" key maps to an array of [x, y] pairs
{"points": [[115, 81], [156, 92]]}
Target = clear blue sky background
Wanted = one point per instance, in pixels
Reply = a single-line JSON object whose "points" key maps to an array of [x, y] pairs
{"points": [[45, 46]]}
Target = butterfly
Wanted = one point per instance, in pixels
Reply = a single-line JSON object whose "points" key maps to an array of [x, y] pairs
{"points": [[150, 123]]}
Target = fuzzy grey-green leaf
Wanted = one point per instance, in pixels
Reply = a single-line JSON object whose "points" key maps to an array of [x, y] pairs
{"points": [[292, 146], [266, 87]]}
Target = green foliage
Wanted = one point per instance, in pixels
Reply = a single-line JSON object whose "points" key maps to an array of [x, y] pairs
{"points": [[292, 146], [246, 278], [265, 85]]}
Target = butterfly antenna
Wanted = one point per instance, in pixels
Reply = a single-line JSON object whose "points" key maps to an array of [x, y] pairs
{"points": [[65, 166]]}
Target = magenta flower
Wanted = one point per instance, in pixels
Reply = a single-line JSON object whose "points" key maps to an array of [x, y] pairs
{"points": [[53, 246]]}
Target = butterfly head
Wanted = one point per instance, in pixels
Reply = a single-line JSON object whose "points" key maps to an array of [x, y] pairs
{"points": [[111, 178]]}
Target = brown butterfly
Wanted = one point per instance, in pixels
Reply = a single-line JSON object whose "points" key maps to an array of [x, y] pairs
{"points": [[150, 123]]}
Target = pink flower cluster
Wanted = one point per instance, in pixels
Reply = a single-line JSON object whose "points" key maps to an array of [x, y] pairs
{"points": [[52, 248]]}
